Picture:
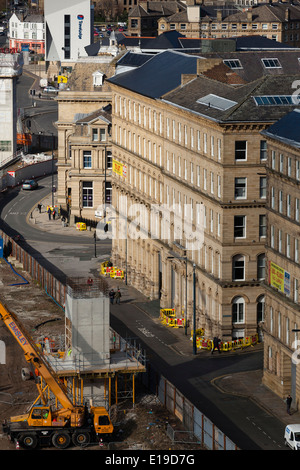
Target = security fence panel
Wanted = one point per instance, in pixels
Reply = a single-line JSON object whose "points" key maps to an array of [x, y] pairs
{"points": [[161, 390], [198, 424], [170, 397], [179, 401], [188, 415], [208, 433], [229, 445], [218, 439]]}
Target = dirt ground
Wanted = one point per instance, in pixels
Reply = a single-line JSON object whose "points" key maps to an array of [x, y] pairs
{"points": [[142, 426]]}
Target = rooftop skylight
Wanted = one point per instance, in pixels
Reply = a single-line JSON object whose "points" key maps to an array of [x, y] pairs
{"points": [[217, 102]]}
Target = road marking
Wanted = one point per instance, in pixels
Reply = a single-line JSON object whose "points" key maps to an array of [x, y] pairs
{"points": [[148, 333], [263, 432]]}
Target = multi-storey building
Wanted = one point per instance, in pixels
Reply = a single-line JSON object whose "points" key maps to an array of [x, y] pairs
{"points": [[196, 145], [84, 129], [88, 183], [281, 354], [143, 18], [27, 32], [69, 29], [279, 21]]}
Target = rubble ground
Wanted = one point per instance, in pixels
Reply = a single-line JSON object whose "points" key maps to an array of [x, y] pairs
{"points": [[142, 425]]}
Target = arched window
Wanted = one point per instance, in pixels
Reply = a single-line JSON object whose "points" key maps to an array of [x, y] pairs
{"points": [[238, 310], [260, 308], [238, 268], [261, 266]]}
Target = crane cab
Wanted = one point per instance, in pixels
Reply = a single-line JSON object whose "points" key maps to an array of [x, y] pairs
{"points": [[38, 416], [102, 422]]}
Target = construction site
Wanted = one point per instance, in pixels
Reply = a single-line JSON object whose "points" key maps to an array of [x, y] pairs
{"points": [[94, 364]]}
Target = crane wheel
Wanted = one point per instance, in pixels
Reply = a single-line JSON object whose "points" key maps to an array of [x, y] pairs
{"points": [[81, 438], [28, 440], [61, 439]]}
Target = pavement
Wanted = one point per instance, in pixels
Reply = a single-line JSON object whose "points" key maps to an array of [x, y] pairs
{"points": [[246, 384]]}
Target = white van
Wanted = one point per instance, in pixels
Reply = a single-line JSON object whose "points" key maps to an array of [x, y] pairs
{"points": [[292, 436]]}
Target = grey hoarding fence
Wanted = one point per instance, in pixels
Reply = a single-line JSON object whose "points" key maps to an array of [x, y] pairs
{"points": [[14, 252], [198, 427]]}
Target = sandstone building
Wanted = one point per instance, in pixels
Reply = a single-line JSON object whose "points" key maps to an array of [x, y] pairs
{"points": [[84, 140], [281, 373], [185, 140]]}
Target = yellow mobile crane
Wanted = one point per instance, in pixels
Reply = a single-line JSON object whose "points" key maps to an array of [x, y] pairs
{"points": [[44, 426]]}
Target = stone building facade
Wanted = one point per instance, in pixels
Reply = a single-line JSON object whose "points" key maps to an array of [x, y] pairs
{"points": [[281, 373], [195, 148], [84, 135], [279, 21]]}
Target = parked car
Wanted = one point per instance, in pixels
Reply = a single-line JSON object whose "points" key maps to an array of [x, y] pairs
{"points": [[29, 184], [50, 89]]}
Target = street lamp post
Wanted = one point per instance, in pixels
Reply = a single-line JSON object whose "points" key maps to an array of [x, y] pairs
{"points": [[186, 277], [95, 244], [52, 170]]}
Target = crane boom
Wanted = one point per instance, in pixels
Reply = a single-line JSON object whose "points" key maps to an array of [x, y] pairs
{"points": [[33, 357]]}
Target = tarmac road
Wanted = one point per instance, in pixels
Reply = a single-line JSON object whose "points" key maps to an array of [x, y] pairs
{"points": [[249, 425], [57, 252]]}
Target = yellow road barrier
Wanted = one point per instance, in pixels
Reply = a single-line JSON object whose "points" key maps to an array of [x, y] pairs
{"points": [[168, 317], [204, 343]]}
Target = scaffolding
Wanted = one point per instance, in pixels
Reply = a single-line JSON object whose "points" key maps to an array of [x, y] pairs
{"points": [[115, 375]]}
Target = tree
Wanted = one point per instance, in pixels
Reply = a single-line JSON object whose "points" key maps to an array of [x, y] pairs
{"points": [[106, 8]]}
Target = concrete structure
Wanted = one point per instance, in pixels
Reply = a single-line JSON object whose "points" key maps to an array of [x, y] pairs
{"points": [[87, 326], [10, 68], [69, 28], [94, 353], [27, 32]]}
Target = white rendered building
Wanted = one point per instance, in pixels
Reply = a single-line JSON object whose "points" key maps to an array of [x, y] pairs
{"points": [[10, 68], [69, 29], [27, 32]]}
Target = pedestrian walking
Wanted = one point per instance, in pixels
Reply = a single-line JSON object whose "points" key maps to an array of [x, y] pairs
{"points": [[118, 296], [111, 296], [49, 213], [39, 207], [216, 344], [288, 404], [53, 214]]}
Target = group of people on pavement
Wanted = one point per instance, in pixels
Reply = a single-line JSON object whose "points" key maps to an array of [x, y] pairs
{"points": [[51, 213], [115, 295]]}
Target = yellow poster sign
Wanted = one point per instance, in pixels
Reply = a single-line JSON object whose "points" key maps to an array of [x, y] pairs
{"points": [[62, 79], [279, 278], [119, 168]]}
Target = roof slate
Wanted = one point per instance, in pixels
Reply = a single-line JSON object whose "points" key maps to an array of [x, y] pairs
{"points": [[287, 129], [245, 110], [158, 75]]}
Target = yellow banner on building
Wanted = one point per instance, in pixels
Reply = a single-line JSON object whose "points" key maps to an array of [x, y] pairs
{"points": [[279, 278], [119, 168]]}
